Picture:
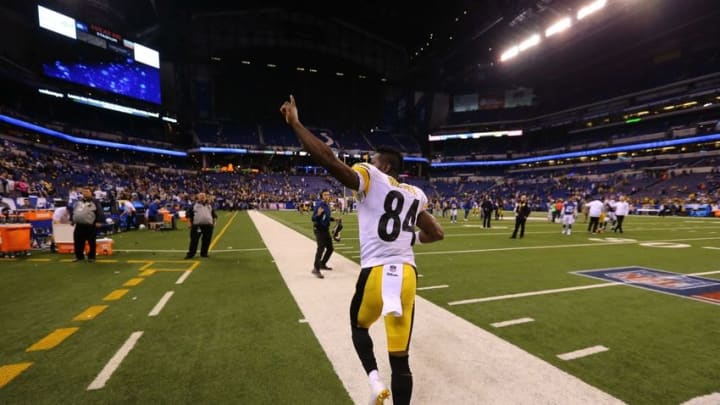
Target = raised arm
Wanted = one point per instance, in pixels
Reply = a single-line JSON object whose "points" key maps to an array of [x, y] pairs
{"points": [[320, 152]]}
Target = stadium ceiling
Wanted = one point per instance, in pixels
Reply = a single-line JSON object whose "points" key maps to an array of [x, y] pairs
{"points": [[454, 43]]}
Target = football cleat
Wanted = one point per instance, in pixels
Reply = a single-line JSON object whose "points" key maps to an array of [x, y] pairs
{"points": [[378, 393]]}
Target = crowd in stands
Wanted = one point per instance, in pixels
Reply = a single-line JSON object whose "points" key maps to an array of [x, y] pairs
{"points": [[26, 171]]}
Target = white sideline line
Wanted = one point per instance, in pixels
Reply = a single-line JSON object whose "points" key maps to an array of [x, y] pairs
{"points": [[184, 276], [179, 251], [704, 273], [711, 247], [443, 252], [432, 287], [582, 353], [161, 304], [532, 293], [511, 322], [559, 290], [114, 362], [509, 375]]}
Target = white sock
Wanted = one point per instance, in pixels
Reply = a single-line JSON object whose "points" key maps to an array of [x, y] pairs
{"points": [[373, 375]]}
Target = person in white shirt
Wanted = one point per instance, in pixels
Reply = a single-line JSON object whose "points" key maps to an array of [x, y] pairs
{"points": [[453, 211], [595, 208], [61, 215], [622, 208], [128, 214]]}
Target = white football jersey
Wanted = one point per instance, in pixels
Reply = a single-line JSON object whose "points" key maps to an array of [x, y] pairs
{"points": [[387, 213]]}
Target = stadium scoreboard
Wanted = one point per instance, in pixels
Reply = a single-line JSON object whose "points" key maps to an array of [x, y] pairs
{"points": [[97, 57]]}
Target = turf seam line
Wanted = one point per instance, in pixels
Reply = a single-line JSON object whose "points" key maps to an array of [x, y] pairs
{"points": [[222, 232]]}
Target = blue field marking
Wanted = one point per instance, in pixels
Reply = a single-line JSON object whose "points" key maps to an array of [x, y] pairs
{"points": [[694, 287]]}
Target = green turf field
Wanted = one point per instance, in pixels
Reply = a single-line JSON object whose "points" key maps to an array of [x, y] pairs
{"points": [[230, 332]]}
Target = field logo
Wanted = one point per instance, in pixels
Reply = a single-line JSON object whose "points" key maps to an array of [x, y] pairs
{"points": [[684, 285]]}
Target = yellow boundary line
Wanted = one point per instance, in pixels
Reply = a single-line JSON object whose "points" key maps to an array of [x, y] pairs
{"points": [[133, 282], [222, 231], [10, 371], [53, 339], [90, 313], [115, 295], [146, 266]]}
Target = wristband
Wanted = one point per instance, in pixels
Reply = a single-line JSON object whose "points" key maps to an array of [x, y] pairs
{"points": [[417, 238]]}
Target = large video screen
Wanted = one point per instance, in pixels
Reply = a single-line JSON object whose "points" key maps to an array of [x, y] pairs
{"points": [[94, 56]]}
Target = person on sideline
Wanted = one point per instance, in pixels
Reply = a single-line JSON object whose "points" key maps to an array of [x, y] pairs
{"points": [[202, 217], [87, 216], [321, 219], [595, 209], [487, 209], [522, 212], [569, 214], [388, 212], [622, 208], [61, 215]]}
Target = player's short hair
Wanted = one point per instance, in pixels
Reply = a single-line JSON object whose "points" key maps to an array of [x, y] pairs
{"points": [[324, 191], [393, 157]]}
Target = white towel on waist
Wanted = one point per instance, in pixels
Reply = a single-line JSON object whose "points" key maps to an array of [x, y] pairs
{"points": [[391, 289]]}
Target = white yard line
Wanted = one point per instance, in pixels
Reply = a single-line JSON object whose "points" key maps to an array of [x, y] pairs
{"points": [[706, 273], [432, 287], [711, 247], [582, 353], [511, 322], [571, 245], [161, 304], [453, 361], [114, 362], [558, 290], [183, 277], [532, 293], [181, 251]]}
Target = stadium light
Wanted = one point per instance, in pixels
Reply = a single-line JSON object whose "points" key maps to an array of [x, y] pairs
{"points": [[474, 135], [51, 93], [529, 43], [509, 54], [591, 153], [590, 8], [558, 27]]}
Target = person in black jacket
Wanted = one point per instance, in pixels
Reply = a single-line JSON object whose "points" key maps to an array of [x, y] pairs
{"points": [[87, 216], [487, 209], [321, 218], [522, 211]]}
